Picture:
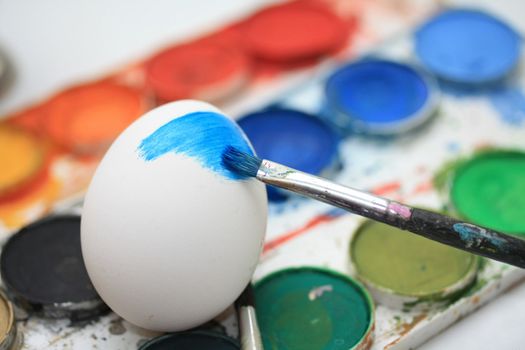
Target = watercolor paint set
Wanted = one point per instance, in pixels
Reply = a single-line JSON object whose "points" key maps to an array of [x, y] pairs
{"points": [[59, 140], [419, 118]]}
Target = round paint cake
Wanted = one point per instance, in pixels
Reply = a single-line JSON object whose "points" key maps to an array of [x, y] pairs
{"points": [[293, 31], [87, 118], [43, 270], [297, 139], [202, 70], [405, 270], [489, 190], [376, 96], [310, 308], [468, 46]]}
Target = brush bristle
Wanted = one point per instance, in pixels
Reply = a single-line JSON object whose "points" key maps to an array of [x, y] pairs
{"points": [[243, 164]]}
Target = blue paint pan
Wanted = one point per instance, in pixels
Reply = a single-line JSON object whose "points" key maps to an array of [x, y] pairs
{"points": [[468, 46], [192, 340], [299, 140], [379, 97]]}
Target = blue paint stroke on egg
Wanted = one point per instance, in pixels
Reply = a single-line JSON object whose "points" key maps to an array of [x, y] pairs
{"points": [[510, 103], [474, 235], [199, 135]]}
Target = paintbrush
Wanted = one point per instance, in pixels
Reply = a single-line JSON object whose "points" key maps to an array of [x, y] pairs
{"points": [[248, 327], [438, 227]]}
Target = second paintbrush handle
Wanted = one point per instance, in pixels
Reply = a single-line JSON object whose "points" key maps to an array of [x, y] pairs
{"points": [[441, 228]]}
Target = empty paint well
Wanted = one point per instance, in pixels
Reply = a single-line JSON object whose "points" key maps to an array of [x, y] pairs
{"points": [[193, 340], [489, 189], [310, 308], [297, 139], [405, 270], [468, 46], [43, 270], [377, 96]]}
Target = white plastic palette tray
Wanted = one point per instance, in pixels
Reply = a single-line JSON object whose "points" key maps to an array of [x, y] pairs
{"points": [[461, 126]]}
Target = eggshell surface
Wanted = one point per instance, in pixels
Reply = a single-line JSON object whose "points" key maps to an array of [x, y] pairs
{"points": [[170, 241]]}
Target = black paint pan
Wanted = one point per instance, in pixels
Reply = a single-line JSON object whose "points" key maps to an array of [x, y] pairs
{"points": [[44, 273], [192, 340]]}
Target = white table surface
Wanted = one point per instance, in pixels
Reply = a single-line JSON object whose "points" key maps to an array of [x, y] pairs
{"points": [[36, 33]]}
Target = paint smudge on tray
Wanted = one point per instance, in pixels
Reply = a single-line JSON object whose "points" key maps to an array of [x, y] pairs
{"points": [[323, 218], [510, 103]]}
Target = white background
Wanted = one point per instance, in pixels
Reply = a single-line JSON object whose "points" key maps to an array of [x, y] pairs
{"points": [[53, 43]]}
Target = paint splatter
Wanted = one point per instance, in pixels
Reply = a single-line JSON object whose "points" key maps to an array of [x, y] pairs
{"points": [[323, 218], [389, 187], [117, 327], [199, 135], [510, 103], [319, 291]]}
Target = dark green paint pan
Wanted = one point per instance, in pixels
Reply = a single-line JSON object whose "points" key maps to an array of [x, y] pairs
{"points": [[310, 308]]}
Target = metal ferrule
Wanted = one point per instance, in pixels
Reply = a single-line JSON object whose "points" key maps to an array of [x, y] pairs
{"points": [[347, 198]]}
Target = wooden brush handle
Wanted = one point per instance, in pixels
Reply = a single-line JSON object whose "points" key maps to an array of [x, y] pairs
{"points": [[472, 238]]}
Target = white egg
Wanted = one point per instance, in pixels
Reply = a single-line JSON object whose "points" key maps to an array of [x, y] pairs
{"points": [[169, 238]]}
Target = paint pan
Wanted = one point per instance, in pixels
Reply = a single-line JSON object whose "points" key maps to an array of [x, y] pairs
{"points": [[22, 160], [468, 46], [43, 270], [310, 308], [405, 271], [488, 189], [293, 31], [10, 338], [292, 137], [87, 118], [380, 97], [201, 70], [193, 340]]}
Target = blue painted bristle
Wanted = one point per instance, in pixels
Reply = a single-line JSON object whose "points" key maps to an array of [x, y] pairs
{"points": [[243, 164]]}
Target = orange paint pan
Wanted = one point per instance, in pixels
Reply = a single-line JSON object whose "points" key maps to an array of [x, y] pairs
{"points": [[87, 118]]}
